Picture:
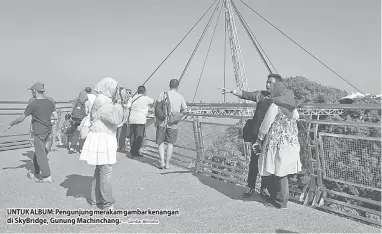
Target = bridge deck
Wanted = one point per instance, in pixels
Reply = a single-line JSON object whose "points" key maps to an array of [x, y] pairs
{"points": [[205, 204]]}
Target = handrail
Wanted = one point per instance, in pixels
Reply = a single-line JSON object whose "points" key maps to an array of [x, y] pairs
{"points": [[342, 106], [342, 123], [308, 106], [251, 105], [21, 110], [24, 134], [26, 102], [6, 109]]}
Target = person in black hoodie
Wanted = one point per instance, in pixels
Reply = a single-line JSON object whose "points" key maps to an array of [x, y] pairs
{"points": [[263, 103]]}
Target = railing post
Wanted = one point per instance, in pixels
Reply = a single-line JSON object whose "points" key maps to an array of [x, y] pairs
{"points": [[314, 190], [320, 191], [318, 178], [197, 144], [200, 134], [310, 143]]}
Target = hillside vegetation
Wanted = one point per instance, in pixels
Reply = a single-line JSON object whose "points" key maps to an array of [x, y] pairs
{"points": [[306, 91]]}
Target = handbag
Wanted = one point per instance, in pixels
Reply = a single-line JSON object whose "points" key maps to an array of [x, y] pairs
{"points": [[248, 131]]}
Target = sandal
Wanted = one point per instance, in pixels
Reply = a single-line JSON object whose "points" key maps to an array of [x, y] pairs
{"points": [[45, 180]]}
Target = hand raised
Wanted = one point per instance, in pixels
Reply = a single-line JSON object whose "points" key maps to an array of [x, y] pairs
{"points": [[225, 90]]}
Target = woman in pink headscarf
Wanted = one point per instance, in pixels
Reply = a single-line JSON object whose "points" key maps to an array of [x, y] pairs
{"points": [[100, 148], [278, 135]]}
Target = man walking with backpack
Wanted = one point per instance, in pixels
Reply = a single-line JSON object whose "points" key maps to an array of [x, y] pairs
{"points": [[139, 107], [169, 110]]}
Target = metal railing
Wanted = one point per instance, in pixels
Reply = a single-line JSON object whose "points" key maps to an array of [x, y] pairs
{"points": [[22, 139], [341, 159]]}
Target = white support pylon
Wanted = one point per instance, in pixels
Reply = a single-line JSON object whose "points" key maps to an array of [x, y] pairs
{"points": [[237, 59]]}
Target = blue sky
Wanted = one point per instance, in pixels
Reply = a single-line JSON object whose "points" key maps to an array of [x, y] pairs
{"points": [[69, 45]]}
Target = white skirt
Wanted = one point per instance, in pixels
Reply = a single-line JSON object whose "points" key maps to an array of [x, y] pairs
{"points": [[280, 162], [100, 149]]}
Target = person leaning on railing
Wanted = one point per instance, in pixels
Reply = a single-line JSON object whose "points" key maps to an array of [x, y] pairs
{"points": [[260, 97], [139, 107]]}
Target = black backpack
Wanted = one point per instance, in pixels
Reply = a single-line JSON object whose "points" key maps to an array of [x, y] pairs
{"points": [[79, 111], [248, 131], [161, 109]]}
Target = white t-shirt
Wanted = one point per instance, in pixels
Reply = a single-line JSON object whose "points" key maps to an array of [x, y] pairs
{"points": [[178, 104], [139, 108]]}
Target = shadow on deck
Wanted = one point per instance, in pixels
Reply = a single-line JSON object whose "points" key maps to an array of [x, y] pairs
{"points": [[204, 204]]}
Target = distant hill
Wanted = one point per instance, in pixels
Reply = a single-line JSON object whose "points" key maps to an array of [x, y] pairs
{"points": [[306, 91]]}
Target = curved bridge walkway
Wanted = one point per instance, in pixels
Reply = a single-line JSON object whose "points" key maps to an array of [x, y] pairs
{"points": [[205, 204]]}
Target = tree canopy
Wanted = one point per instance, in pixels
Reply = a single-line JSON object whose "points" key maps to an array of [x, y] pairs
{"points": [[306, 91]]}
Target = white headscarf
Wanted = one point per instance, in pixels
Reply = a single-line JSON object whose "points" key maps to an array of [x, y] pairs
{"points": [[107, 87], [105, 90]]}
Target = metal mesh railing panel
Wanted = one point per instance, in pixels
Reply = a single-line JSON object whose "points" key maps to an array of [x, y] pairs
{"points": [[223, 141], [352, 160], [184, 147], [185, 135], [225, 153]]}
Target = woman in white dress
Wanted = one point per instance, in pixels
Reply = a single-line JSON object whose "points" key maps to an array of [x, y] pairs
{"points": [[278, 136], [100, 147]]}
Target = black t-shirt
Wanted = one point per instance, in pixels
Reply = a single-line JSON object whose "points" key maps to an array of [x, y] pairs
{"points": [[41, 111]]}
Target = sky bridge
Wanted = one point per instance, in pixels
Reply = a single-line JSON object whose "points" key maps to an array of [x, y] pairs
{"points": [[339, 189]]}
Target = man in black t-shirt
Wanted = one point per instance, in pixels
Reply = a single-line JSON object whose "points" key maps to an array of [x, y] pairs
{"points": [[262, 105], [50, 144], [41, 109]]}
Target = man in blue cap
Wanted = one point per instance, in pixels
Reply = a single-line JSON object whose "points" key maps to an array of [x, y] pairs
{"points": [[41, 109]]}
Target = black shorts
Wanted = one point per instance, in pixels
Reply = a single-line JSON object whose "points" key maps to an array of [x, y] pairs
{"points": [[168, 135]]}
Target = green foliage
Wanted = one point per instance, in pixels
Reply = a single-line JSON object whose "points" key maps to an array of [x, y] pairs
{"points": [[228, 150], [306, 91], [355, 160]]}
